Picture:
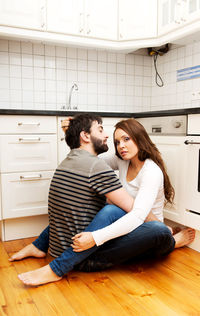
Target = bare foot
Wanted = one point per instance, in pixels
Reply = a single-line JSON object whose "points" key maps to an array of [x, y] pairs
{"points": [[184, 237], [28, 251], [39, 276], [174, 230]]}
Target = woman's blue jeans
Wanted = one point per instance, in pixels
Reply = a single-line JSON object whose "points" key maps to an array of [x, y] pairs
{"points": [[150, 238]]}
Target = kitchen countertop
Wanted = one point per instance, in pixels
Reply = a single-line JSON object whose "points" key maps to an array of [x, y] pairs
{"points": [[103, 114]]}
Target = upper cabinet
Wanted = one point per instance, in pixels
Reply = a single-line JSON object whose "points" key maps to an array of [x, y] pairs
{"points": [[65, 16], [125, 25], [91, 18], [174, 14], [23, 13], [137, 19]]}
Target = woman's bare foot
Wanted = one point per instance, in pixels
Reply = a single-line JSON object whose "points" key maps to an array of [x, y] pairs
{"points": [[39, 276], [174, 230], [184, 237], [28, 251]]}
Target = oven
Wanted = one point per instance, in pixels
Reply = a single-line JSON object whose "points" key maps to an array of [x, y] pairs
{"points": [[192, 144]]}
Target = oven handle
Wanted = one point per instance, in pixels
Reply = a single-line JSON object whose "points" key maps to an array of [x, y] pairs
{"points": [[187, 142]]}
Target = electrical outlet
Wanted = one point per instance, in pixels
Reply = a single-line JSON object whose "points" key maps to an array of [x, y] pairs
{"points": [[195, 95]]}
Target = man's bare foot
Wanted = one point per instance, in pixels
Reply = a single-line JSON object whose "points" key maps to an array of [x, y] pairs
{"points": [[184, 237], [39, 276], [28, 251]]}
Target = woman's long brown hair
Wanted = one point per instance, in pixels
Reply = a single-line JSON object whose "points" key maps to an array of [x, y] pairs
{"points": [[146, 149]]}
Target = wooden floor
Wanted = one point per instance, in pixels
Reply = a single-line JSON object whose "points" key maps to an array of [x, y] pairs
{"points": [[170, 286]]}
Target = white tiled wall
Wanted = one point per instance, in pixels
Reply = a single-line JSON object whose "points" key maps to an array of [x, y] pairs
{"points": [[37, 76], [176, 95]]}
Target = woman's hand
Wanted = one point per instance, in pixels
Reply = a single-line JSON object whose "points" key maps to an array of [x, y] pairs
{"points": [[83, 241], [65, 123]]}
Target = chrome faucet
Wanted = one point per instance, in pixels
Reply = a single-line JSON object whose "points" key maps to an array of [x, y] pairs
{"points": [[74, 87]]}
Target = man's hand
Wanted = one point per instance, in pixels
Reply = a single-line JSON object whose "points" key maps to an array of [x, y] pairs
{"points": [[83, 241], [65, 123]]}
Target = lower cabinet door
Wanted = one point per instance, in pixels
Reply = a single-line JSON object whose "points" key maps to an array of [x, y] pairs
{"points": [[25, 194], [172, 149], [21, 153]]}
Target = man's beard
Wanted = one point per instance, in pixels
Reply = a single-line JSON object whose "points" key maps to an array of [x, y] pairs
{"points": [[98, 145]]}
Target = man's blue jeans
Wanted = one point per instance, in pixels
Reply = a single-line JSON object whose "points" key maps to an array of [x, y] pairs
{"points": [[149, 238]]}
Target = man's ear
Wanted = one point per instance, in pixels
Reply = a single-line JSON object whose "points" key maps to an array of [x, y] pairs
{"points": [[85, 137]]}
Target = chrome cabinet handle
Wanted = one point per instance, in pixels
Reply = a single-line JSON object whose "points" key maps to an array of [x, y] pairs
{"points": [[188, 142], [31, 177], [28, 123], [29, 139]]}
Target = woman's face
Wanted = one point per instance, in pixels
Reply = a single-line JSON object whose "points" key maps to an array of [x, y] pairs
{"points": [[126, 147]]}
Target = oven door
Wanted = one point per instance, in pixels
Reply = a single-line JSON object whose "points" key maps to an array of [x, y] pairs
{"points": [[193, 174]]}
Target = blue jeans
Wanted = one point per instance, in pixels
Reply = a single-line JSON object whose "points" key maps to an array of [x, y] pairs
{"points": [[152, 237]]}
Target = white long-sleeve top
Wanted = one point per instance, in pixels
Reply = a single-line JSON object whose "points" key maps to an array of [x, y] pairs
{"points": [[148, 192]]}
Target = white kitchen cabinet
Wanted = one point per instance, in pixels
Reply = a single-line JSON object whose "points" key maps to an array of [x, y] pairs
{"points": [[29, 191], [193, 127], [91, 18], [23, 13], [65, 16], [137, 19], [172, 149], [169, 15], [27, 162], [191, 12], [25, 152], [101, 18], [174, 14], [27, 124]]}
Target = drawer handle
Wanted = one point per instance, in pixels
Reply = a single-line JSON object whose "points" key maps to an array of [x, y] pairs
{"points": [[29, 139], [28, 123], [31, 177], [187, 142]]}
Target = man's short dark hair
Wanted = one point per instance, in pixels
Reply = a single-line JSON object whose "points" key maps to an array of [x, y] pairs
{"points": [[79, 123]]}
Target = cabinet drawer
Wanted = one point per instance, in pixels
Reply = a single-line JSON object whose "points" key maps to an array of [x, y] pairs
{"points": [[28, 153], [29, 192], [26, 124]]}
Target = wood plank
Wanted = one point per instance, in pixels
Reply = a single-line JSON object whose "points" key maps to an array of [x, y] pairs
{"points": [[168, 287], [138, 287], [178, 291], [16, 245], [14, 298], [117, 300], [70, 293], [4, 257], [47, 298], [83, 300]]}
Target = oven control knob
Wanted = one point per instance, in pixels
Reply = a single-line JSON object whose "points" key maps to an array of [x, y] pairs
{"points": [[177, 124]]}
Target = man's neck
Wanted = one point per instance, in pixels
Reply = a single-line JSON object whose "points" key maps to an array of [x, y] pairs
{"points": [[88, 148]]}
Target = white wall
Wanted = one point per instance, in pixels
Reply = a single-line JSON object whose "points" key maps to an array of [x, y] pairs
{"points": [[176, 95], [37, 76]]}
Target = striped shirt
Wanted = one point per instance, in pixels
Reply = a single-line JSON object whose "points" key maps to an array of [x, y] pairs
{"points": [[76, 194]]}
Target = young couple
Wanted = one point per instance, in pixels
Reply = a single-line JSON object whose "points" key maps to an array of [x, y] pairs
{"points": [[85, 233]]}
